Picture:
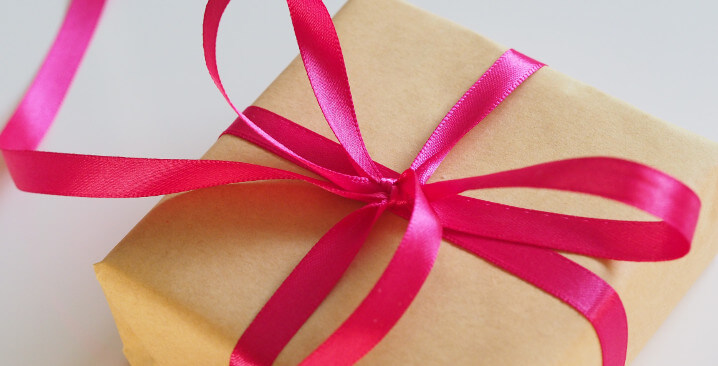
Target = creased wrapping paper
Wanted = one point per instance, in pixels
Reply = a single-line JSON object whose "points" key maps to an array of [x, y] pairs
{"points": [[190, 277]]}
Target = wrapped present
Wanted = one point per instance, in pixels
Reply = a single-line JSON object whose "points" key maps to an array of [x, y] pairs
{"points": [[190, 278]]}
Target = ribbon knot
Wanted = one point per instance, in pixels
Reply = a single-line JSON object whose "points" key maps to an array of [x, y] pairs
{"points": [[394, 190]]}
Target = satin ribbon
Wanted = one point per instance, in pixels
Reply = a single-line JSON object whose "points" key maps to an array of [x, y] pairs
{"points": [[521, 241]]}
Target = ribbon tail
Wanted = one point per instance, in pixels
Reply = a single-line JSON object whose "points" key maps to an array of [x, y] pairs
{"points": [[39, 106], [393, 292], [555, 274], [306, 287], [119, 177]]}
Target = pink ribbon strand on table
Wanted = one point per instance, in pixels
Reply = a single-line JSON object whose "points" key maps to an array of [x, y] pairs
{"points": [[521, 241]]}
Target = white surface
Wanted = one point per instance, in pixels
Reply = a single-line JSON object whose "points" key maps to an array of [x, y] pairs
{"points": [[143, 91]]}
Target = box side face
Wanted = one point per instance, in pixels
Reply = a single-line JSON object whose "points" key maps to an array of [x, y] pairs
{"points": [[213, 257], [155, 331]]}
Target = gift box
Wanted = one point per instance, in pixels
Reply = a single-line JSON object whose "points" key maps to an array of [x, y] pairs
{"points": [[191, 276]]}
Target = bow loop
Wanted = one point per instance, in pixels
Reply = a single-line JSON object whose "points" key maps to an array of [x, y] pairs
{"points": [[323, 60]]}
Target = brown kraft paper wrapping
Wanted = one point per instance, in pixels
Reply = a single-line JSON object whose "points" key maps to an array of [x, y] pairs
{"points": [[189, 278]]}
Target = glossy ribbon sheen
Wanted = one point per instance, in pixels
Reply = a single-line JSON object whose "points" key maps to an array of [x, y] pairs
{"points": [[521, 241]]}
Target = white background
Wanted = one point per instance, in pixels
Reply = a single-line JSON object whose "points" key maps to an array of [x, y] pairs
{"points": [[143, 91]]}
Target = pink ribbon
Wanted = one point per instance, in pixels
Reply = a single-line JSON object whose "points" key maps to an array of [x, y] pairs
{"points": [[521, 241]]}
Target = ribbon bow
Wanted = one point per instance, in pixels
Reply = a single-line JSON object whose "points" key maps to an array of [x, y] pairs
{"points": [[523, 242]]}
